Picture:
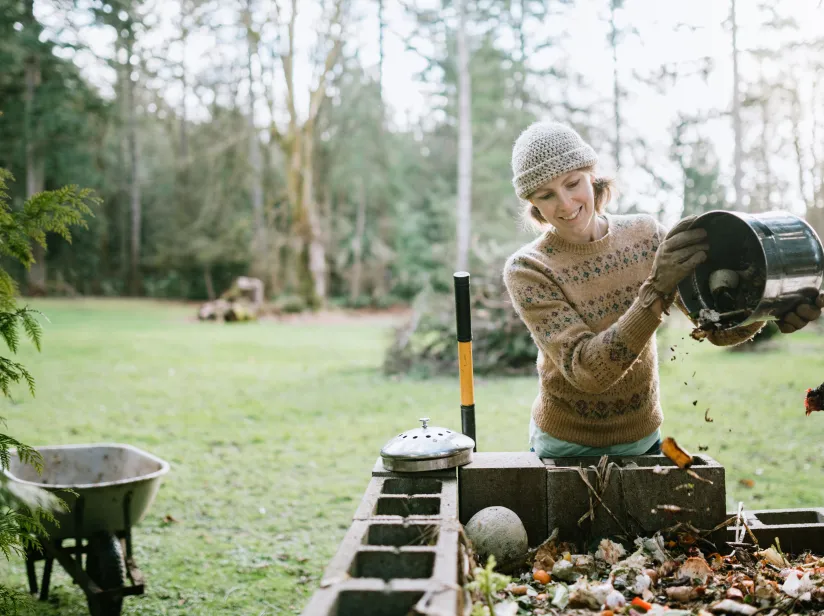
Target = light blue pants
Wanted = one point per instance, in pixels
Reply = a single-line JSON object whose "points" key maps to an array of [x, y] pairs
{"points": [[547, 446]]}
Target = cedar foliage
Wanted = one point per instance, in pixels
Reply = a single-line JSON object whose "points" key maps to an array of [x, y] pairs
{"points": [[57, 211]]}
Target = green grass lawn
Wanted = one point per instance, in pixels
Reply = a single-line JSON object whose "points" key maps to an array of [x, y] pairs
{"points": [[271, 430]]}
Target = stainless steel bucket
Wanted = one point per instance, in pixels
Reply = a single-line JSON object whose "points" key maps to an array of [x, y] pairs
{"points": [[779, 257]]}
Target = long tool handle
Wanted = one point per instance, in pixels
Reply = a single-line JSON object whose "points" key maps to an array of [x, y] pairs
{"points": [[464, 322]]}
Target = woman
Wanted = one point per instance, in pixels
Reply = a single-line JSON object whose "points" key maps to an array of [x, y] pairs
{"points": [[592, 289]]}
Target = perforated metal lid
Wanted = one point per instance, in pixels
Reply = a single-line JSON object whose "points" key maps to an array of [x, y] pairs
{"points": [[427, 448]]}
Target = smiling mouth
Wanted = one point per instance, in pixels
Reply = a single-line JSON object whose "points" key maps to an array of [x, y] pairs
{"points": [[574, 216]]}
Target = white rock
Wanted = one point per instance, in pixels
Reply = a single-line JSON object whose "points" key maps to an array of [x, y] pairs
{"points": [[500, 532]]}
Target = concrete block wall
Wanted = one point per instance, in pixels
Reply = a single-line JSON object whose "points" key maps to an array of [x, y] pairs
{"points": [[645, 493], [515, 480], [797, 530], [402, 550], [549, 493]]}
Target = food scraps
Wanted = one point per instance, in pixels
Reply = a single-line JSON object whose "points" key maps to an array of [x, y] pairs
{"points": [[664, 576], [814, 400], [676, 453]]}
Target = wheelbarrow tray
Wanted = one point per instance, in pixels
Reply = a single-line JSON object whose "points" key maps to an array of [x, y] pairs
{"points": [[104, 476]]}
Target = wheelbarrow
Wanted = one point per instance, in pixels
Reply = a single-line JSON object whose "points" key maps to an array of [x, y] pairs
{"points": [[112, 486]]}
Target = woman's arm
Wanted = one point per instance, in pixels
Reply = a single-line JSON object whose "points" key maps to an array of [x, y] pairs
{"points": [[590, 362]]}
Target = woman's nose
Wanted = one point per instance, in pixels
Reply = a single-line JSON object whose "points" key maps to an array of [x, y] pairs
{"points": [[564, 200]]}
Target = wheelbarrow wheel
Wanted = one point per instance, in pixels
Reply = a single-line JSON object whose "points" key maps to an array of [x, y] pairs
{"points": [[106, 567]]}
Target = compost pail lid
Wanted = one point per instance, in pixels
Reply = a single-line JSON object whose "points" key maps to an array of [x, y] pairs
{"points": [[427, 448]]}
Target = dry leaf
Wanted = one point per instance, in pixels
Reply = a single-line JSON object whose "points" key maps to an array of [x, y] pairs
{"points": [[728, 606], [747, 483], [676, 453], [695, 568]]}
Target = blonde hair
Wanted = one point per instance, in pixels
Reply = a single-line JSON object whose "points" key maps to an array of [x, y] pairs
{"points": [[603, 188]]}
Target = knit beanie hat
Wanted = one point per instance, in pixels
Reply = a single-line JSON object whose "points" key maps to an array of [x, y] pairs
{"points": [[544, 151]]}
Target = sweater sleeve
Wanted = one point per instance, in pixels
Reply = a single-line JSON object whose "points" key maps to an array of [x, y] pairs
{"points": [[590, 362], [727, 337]]}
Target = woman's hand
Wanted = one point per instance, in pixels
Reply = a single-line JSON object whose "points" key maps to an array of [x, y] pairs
{"points": [[678, 255], [805, 313]]}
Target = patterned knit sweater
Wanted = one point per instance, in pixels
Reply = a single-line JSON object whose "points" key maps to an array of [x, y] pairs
{"points": [[597, 359]]}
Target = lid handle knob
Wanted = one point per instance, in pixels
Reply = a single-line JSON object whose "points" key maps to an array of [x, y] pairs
{"points": [[423, 420]]}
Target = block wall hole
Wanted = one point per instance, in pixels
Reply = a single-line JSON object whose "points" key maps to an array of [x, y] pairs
{"points": [[412, 485], [373, 603], [392, 565], [399, 536], [408, 506], [790, 517]]}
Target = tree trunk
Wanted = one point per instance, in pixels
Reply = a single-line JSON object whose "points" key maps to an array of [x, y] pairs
{"points": [[259, 248], [464, 204], [384, 221], [736, 115], [135, 283], [36, 275], [207, 279], [616, 90], [766, 171], [357, 243], [313, 234], [123, 173]]}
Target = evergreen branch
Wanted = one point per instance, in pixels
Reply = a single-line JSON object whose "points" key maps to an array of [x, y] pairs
{"points": [[52, 211], [13, 372], [31, 326], [8, 327], [27, 455]]}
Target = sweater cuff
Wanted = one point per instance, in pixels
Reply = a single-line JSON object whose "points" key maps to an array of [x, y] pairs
{"points": [[638, 326]]}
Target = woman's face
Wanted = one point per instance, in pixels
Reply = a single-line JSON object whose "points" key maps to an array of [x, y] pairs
{"points": [[568, 204]]}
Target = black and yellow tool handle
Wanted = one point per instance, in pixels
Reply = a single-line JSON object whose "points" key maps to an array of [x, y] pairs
{"points": [[465, 369]]}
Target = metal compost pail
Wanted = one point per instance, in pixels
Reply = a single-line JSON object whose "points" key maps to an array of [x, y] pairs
{"points": [[782, 249]]}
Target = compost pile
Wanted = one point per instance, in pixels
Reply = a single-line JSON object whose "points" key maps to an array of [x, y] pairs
{"points": [[676, 573], [425, 345]]}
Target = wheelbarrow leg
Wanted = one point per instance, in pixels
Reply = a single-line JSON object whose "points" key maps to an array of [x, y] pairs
{"points": [[31, 573], [47, 569], [78, 529]]}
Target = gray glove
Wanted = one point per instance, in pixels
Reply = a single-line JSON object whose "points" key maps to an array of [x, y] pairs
{"points": [[678, 255]]}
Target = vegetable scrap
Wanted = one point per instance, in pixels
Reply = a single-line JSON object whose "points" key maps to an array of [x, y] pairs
{"points": [[814, 401], [673, 573], [676, 453]]}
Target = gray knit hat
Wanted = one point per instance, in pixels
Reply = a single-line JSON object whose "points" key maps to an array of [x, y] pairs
{"points": [[544, 151]]}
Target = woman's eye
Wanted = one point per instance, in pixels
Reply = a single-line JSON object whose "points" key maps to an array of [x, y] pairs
{"points": [[573, 184]]}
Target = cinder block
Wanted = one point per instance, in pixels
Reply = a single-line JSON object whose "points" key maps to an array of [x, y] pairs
{"points": [[797, 530], [642, 499], [515, 480], [409, 497], [379, 549], [396, 598]]}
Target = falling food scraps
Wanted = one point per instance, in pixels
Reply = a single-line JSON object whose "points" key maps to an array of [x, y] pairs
{"points": [[814, 400], [676, 453]]}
